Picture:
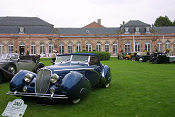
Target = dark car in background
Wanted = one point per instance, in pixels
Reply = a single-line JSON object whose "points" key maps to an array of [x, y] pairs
{"points": [[143, 56], [71, 77], [12, 63], [157, 58]]}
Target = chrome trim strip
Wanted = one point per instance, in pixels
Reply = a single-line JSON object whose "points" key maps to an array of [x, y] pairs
{"points": [[55, 96], [75, 69]]}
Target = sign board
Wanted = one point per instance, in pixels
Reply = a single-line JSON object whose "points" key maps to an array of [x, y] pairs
{"points": [[16, 108]]}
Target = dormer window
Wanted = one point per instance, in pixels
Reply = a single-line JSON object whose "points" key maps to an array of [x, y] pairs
{"points": [[137, 30], [147, 30], [126, 30], [21, 30]]}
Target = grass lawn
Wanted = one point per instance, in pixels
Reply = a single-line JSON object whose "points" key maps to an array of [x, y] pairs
{"points": [[136, 90]]}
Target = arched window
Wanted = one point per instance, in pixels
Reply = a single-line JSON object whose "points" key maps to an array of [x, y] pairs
{"points": [[21, 44], [1, 48], [69, 46], [167, 44], [78, 47], [51, 47], [148, 46], [88, 46], [127, 47], [115, 48], [61, 48], [159, 46], [42, 48], [106, 47], [10, 47], [98, 47], [137, 47], [33, 48]]}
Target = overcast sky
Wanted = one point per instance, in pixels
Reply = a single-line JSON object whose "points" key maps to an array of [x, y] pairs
{"points": [[78, 13]]}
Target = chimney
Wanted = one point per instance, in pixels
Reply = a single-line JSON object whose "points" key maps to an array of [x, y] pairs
{"points": [[99, 21]]}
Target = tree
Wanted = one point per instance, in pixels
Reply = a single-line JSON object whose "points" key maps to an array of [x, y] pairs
{"points": [[174, 23], [163, 21]]}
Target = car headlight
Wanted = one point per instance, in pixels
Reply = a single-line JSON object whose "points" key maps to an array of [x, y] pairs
{"points": [[28, 77], [24, 89], [54, 78]]}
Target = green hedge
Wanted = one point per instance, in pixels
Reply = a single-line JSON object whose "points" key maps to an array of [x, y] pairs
{"points": [[102, 55]]}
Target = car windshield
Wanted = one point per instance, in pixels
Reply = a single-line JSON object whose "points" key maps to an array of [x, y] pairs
{"points": [[13, 56], [72, 58]]}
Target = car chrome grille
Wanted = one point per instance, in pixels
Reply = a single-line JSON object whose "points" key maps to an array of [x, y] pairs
{"points": [[43, 80]]}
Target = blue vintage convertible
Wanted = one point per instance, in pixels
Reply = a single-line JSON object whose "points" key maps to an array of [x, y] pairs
{"points": [[71, 77]]}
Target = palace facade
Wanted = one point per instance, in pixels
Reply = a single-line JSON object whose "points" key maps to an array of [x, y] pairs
{"points": [[35, 36]]}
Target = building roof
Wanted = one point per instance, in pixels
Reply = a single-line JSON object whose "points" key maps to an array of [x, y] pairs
{"points": [[35, 25], [27, 30], [70, 31], [135, 23], [23, 21], [168, 29], [31, 25], [94, 25]]}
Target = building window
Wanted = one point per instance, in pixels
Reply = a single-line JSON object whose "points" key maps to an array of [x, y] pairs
{"points": [[167, 45], [78, 47], [61, 48], [33, 48], [106, 47], [10, 47], [69, 48], [126, 30], [51, 47], [159, 46], [115, 48], [88, 46], [148, 47], [147, 30], [42, 48], [137, 30], [127, 47], [137, 47], [21, 30], [98, 47], [1, 48]]}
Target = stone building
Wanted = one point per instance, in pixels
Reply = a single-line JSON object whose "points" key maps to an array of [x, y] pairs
{"points": [[35, 36]]}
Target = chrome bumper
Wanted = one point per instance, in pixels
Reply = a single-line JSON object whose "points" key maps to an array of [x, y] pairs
{"points": [[55, 96]]}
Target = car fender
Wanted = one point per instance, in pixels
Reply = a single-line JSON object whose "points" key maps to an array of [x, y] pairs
{"points": [[75, 85], [17, 82], [106, 74], [5, 74]]}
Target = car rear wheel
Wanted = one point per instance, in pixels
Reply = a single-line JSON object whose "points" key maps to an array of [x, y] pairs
{"points": [[1, 77], [76, 101], [12, 69]]}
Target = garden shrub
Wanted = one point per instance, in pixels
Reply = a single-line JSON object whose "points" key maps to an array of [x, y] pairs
{"points": [[102, 55]]}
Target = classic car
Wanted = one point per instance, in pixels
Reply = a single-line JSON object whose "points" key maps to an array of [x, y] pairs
{"points": [[12, 63], [71, 77], [143, 56], [157, 58]]}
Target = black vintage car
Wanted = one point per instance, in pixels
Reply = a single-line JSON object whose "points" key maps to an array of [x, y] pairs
{"points": [[143, 57], [71, 77], [157, 58], [12, 63]]}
